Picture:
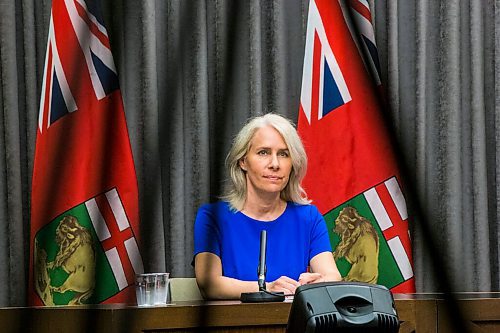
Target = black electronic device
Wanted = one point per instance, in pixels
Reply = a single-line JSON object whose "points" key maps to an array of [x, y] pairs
{"points": [[342, 307], [262, 295], [262, 269]]}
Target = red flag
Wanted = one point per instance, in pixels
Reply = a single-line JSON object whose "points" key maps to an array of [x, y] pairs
{"points": [[84, 204], [353, 175]]}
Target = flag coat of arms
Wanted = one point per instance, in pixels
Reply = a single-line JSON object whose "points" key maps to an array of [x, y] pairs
{"points": [[84, 245], [353, 176]]}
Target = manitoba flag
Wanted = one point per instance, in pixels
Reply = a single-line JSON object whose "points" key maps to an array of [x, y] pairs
{"points": [[353, 176], [84, 202]]}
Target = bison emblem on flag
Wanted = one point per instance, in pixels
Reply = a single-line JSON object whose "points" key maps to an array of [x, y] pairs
{"points": [[365, 233], [75, 258], [359, 245], [77, 245]]}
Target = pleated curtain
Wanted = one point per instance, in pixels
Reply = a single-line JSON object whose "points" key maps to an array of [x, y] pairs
{"points": [[191, 73]]}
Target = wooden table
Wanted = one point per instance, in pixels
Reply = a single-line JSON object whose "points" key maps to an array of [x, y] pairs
{"points": [[419, 313], [459, 312]]}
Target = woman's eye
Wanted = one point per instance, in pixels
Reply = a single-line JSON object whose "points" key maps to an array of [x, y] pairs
{"points": [[262, 152], [283, 154]]}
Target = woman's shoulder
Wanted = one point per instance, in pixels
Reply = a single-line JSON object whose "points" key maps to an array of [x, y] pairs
{"points": [[215, 207], [305, 212], [303, 208]]}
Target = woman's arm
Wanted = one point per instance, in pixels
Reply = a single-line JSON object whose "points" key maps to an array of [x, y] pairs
{"points": [[323, 269], [208, 271]]}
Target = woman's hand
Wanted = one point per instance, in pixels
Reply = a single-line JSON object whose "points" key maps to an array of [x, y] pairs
{"points": [[284, 284], [307, 278]]}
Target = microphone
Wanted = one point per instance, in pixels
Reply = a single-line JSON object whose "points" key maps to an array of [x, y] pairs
{"points": [[262, 295], [262, 269]]}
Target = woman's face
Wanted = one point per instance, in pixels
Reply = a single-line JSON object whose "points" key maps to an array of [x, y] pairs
{"points": [[267, 163]]}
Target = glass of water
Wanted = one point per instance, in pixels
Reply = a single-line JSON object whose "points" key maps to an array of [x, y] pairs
{"points": [[161, 288], [151, 289]]}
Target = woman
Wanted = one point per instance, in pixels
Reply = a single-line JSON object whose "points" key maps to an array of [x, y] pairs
{"points": [[266, 165]]}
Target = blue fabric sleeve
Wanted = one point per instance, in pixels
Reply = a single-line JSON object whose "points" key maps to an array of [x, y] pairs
{"points": [[206, 232], [320, 241]]}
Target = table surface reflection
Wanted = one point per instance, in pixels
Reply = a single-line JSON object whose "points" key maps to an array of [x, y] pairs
{"points": [[420, 312]]}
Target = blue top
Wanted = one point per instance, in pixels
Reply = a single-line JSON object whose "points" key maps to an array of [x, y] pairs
{"points": [[293, 239]]}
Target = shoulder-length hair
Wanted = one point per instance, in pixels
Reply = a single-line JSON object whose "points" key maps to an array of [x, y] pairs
{"points": [[236, 188]]}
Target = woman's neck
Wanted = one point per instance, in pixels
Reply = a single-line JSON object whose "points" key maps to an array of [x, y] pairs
{"points": [[264, 209]]}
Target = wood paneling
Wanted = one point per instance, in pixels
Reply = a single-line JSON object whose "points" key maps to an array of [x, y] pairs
{"points": [[417, 313]]}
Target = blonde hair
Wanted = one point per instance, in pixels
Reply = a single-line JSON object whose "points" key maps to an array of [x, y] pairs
{"points": [[236, 188]]}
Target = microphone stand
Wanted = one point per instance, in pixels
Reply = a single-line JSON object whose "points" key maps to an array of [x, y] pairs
{"points": [[262, 295]]}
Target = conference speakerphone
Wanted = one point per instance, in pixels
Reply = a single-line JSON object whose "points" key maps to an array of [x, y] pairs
{"points": [[343, 307]]}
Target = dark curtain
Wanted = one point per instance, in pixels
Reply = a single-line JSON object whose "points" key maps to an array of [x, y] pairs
{"points": [[191, 73]]}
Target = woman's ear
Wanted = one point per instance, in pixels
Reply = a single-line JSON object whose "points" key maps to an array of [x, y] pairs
{"points": [[242, 164]]}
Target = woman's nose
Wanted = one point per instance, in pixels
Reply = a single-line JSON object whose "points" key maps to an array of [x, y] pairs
{"points": [[274, 163]]}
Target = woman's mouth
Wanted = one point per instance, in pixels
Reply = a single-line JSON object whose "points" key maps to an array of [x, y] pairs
{"points": [[275, 178]]}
